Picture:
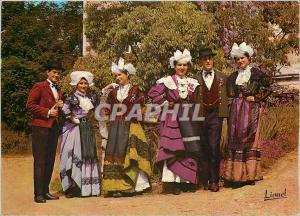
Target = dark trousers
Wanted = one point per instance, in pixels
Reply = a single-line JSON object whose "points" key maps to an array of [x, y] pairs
{"points": [[44, 143], [210, 143]]}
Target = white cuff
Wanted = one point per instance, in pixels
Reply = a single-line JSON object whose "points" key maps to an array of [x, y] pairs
{"points": [[165, 103], [75, 120]]}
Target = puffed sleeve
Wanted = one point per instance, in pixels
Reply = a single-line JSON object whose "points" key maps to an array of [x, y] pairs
{"points": [[95, 98], [137, 96], [264, 91], [230, 85], [67, 107], [195, 95], [157, 94], [110, 99]]}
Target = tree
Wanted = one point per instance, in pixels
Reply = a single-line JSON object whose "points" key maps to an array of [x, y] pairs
{"points": [[155, 31], [254, 22], [18, 77], [102, 16], [34, 34]]}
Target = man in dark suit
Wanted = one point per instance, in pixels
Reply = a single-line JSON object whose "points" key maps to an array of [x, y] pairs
{"points": [[212, 97], [43, 102]]}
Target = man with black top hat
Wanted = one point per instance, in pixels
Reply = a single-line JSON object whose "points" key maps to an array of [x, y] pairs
{"points": [[212, 96], [43, 102]]}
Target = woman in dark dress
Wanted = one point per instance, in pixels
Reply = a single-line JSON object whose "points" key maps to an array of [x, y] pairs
{"points": [[247, 88]]}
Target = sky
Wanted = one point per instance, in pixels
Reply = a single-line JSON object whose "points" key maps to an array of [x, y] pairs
{"points": [[59, 2]]}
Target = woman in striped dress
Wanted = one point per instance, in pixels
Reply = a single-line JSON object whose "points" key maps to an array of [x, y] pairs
{"points": [[247, 88]]}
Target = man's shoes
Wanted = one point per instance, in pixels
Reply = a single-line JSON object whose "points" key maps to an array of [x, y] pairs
{"points": [[192, 188], [205, 186], [39, 199], [49, 196], [214, 187]]}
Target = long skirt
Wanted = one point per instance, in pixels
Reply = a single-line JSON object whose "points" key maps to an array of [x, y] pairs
{"points": [[74, 168], [243, 153], [127, 160], [178, 144], [191, 139]]}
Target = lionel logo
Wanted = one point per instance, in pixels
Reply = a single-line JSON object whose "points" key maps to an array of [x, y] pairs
{"points": [[271, 195]]}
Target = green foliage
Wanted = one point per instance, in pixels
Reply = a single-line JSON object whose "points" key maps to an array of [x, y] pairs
{"points": [[155, 30], [34, 35], [251, 22], [18, 76], [101, 17], [153, 33], [43, 32]]}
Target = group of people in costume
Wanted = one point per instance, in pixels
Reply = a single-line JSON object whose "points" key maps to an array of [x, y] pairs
{"points": [[188, 151]]}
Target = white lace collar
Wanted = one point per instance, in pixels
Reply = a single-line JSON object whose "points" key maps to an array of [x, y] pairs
{"points": [[243, 76], [84, 102], [122, 92], [182, 86], [185, 84]]}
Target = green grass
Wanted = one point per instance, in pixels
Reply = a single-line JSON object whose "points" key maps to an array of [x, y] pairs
{"points": [[14, 142], [278, 121]]}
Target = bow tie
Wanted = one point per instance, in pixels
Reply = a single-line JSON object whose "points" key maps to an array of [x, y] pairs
{"points": [[54, 86], [206, 73]]}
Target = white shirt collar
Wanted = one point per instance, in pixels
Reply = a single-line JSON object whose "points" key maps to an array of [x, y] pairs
{"points": [[208, 80], [212, 72], [53, 89], [50, 82]]}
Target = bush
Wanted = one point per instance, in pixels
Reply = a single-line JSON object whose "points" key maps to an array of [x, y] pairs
{"points": [[13, 141], [279, 121], [155, 30], [153, 33], [31, 41], [279, 133], [152, 135]]}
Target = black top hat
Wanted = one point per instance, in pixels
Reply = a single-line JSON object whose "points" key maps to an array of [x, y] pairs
{"points": [[52, 65], [206, 52]]}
